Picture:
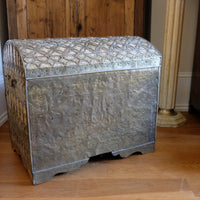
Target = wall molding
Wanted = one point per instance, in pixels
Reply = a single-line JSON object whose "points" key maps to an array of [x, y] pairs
{"points": [[182, 107], [185, 75], [183, 91]]}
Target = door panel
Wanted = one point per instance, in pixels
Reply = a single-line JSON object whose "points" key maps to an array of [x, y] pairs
{"points": [[76, 18], [105, 17], [46, 18]]}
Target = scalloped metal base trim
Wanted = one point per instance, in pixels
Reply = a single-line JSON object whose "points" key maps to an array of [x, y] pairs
{"points": [[47, 174]]}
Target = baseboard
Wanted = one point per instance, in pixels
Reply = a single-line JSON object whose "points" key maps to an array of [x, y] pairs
{"points": [[183, 91], [182, 107], [184, 74], [3, 118]]}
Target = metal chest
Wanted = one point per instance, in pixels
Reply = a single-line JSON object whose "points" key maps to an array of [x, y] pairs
{"points": [[71, 99]]}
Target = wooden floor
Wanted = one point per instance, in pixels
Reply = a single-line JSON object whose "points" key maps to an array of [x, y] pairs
{"points": [[172, 172]]}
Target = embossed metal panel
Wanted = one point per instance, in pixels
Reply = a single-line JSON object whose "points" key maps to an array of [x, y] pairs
{"points": [[71, 99]]}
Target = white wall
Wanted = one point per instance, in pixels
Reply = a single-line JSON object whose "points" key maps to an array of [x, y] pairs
{"points": [[187, 54], [3, 37], [187, 48], [158, 23]]}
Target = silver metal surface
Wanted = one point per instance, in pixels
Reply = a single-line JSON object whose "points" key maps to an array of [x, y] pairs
{"points": [[51, 57], [70, 99]]}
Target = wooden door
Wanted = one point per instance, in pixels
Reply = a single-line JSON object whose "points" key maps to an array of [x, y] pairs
{"points": [[77, 18]]}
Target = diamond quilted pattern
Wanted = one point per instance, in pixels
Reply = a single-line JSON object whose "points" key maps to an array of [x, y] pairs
{"points": [[67, 53]]}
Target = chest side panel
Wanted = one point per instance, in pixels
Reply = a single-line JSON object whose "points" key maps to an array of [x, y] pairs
{"points": [[16, 103], [79, 116]]}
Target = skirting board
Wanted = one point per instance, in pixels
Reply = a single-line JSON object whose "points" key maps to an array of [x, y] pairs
{"points": [[3, 118], [183, 91]]}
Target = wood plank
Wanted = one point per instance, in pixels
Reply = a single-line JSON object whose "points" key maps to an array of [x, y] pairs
{"points": [[12, 19], [73, 18], [57, 17], [105, 18], [142, 20], [46, 18], [37, 19], [21, 19], [96, 16], [139, 20], [188, 195], [68, 18], [129, 17], [81, 25], [115, 18]]}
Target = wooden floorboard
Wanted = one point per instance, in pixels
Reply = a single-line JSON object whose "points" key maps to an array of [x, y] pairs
{"points": [[171, 172]]}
